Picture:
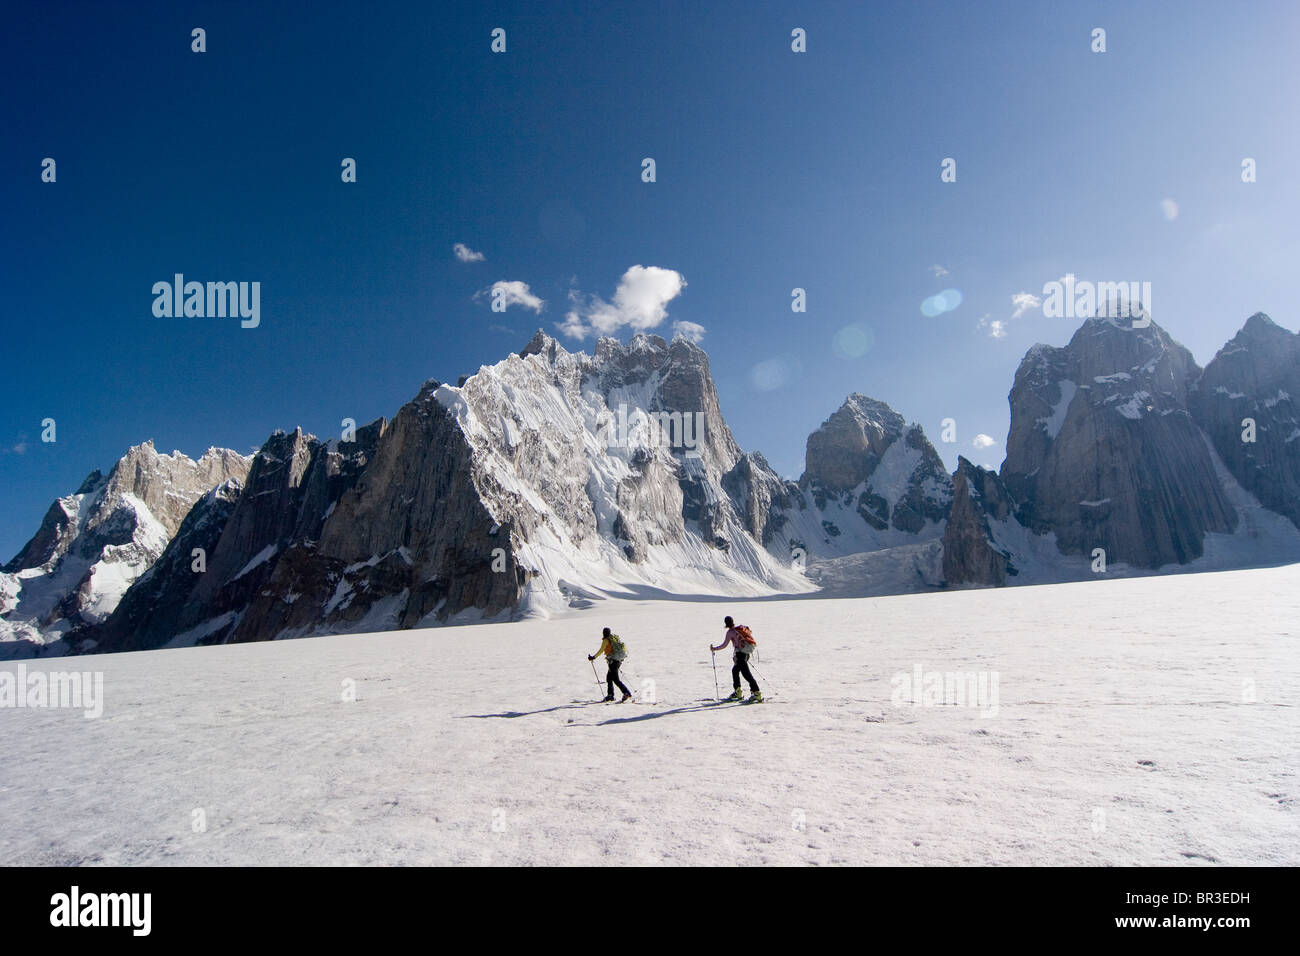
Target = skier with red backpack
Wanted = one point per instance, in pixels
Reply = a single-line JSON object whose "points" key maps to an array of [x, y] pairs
{"points": [[742, 639]]}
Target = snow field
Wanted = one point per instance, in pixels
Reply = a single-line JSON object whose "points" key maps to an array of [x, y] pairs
{"points": [[1138, 721]]}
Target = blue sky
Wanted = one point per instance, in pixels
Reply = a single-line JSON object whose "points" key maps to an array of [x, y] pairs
{"points": [[775, 170]]}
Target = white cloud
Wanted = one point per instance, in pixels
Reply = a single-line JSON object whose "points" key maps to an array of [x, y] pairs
{"points": [[1023, 302], [572, 327], [640, 301], [983, 441], [465, 254], [691, 331], [939, 271], [996, 327], [511, 293]]}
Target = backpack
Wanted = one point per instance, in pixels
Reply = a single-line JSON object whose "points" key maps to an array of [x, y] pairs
{"points": [[618, 648], [747, 642]]}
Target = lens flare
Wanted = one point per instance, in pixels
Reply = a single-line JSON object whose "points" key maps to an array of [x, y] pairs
{"points": [[853, 341], [769, 375], [938, 304]]}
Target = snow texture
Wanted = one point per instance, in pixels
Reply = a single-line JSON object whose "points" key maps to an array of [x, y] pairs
{"points": [[1148, 721]]}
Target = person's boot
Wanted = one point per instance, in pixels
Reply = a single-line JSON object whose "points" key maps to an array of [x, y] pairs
{"points": [[756, 697], [736, 695], [626, 697], [609, 698]]}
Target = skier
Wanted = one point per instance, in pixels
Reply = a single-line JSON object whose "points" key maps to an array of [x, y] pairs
{"points": [[741, 639], [611, 645]]}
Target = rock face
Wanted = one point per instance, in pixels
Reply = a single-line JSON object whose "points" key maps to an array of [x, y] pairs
{"points": [[871, 481], [551, 476], [970, 553], [1103, 451], [529, 485], [147, 614], [846, 449], [95, 543], [1255, 376], [760, 497], [251, 536]]}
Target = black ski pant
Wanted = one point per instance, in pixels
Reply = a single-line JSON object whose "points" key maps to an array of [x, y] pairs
{"points": [[611, 678], [740, 668]]}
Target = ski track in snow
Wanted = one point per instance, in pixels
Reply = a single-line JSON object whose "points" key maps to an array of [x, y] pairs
{"points": [[1120, 696]]}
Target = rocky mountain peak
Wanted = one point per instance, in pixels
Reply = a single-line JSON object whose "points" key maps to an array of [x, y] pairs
{"points": [[845, 450], [90, 482], [970, 555], [1255, 380], [1102, 449], [543, 345], [1261, 326]]}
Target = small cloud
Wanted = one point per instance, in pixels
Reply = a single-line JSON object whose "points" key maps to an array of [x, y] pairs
{"points": [[511, 293], [20, 448], [465, 254], [1024, 302], [996, 327], [572, 327], [691, 331], [938, 271], [1170, 208], [504, 329], [982, 441], [640, 301]]}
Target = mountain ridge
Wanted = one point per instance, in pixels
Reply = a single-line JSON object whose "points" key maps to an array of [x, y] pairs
{"points": [[551, 479]]}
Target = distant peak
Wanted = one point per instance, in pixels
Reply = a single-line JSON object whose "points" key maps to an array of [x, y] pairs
{"points": [[145, 446], [539, 344], [92, 479], [868, 407], [646, 340], [1260, 323]]}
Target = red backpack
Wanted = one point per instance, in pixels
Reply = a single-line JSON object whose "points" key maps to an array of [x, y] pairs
{"points": [[746, 636]]}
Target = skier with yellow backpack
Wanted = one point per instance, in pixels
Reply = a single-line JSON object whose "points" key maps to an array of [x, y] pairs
{"points": [[742, 639], [615, 651]]}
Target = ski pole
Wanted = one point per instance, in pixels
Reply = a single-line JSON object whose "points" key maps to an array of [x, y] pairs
{"points": [[717, 694], [764, 679], [594, 674]]}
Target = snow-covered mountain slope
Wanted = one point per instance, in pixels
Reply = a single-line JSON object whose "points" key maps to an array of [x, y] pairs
{"points": [[95, 543], [1147, 721], [610, 472]]}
